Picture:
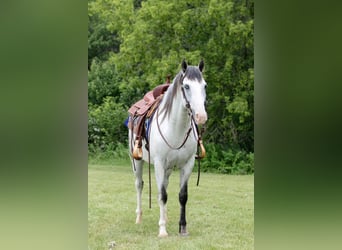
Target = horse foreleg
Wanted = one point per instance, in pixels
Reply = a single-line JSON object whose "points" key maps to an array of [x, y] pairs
{"points": [[162, 178], [163, 212], [183, 198], [139, 185]]}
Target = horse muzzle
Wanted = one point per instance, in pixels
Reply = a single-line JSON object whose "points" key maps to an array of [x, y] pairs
{"points": [[201, 118]]}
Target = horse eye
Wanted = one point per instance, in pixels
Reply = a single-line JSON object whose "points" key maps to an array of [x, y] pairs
{"points": [[186, 86]]}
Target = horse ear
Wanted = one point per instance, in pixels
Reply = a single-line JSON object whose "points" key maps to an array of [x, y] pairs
{"points": [[184, 65], [201, 65]]}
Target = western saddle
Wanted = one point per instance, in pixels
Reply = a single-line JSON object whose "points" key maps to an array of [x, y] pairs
{"points": [[142, 110]]}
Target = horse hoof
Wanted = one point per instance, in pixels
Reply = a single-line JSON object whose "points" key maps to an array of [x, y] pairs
{"points": [[183, 231], [139, 219], [184, 234], [163, 235]]}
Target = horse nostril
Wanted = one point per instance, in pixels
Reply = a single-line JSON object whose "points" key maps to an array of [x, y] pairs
{"points": [[200, 118]]}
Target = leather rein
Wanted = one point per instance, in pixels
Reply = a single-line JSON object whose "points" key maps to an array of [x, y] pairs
{"points": [[192, 122], [199, 141], [188, 107]]}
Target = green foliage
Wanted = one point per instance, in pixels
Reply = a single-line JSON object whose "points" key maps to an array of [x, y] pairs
{"points": [[101, 41], [103, 81], [111, 152], [134, 45], [106, 124], [228, 161]]}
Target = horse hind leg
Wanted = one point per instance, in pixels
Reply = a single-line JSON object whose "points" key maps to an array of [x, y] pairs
{"points": [[139, 185]]}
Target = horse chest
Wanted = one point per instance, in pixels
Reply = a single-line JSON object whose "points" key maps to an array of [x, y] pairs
{"points": [[180, 156]]}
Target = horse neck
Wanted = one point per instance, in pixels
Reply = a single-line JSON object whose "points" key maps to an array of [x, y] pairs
{"points": [[178, 120]]}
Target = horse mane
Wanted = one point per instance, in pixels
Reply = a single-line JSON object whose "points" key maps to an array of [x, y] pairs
{"points": [[192, 73]]}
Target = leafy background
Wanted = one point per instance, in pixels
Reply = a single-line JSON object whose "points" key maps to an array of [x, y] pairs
{"points": [[134, 45]]}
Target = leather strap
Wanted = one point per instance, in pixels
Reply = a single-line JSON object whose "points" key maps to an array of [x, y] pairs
{"points": [[185, 138]]}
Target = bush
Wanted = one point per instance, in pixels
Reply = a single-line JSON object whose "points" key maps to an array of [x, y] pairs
{"points": [[229, 161], [106, 125], [110, 153]]}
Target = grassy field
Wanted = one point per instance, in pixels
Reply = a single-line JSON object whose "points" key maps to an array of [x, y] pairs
{"points": [[220, 211]]}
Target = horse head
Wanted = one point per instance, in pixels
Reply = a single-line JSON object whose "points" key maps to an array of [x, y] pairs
{"points": [[194, 91]]}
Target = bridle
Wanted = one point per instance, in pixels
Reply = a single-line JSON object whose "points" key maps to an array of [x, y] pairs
{"points": [[192, 125], [192, 121]]}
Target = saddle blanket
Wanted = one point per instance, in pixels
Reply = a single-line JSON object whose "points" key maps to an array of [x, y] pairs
{"points": [[147, 124]]}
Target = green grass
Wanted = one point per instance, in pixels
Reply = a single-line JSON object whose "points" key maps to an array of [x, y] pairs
{"points": [[220, 211]]}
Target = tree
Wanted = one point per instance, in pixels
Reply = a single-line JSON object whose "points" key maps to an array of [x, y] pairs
{"points": [[154, 36]]}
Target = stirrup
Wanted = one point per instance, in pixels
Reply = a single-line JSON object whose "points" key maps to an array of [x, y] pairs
{"points": [[137, 151], [202, 152]]}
